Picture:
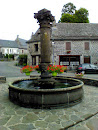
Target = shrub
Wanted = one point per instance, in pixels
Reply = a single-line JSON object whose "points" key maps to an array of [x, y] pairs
{"points": [[11, 56], [6, 56], [23, 60]]}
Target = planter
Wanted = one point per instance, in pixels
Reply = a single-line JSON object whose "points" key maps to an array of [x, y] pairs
{"points": [[27, 74], [68, 52], [54, 74]]}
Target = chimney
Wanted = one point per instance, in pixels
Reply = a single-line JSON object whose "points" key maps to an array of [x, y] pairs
{"points": [[17, 36]]}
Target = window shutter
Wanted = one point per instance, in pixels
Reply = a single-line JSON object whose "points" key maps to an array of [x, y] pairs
{"points": [[86, 45], [68, 45]]}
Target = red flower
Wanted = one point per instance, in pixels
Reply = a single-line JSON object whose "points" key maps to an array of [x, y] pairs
{"points": [[26, 69], [56, 68], [37, 68]]}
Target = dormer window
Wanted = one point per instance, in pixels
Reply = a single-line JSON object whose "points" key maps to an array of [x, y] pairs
{"points": [[36, 47]]}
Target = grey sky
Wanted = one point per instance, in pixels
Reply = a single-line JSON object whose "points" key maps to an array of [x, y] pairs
{"points": [[17, 16]]}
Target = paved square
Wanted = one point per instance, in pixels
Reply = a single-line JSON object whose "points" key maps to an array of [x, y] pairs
{"points": [[15, 117]]}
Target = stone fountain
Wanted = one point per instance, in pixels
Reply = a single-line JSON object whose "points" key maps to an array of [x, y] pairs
{"points": [[46, 91]]}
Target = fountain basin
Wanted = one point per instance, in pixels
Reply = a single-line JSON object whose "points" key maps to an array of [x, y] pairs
{"points": [[47, 98]]}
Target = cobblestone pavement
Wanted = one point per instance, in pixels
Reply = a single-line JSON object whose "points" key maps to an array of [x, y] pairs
{"points": [[83, 116]]}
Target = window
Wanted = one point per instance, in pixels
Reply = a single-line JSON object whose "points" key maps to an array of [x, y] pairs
{"points": [[10, 50], [7, 50], [86, 59], [36, 47], [69, 60], [68, 45], [86, 45]]}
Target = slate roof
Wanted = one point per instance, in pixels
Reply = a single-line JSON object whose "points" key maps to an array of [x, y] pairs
{"points": [[21, 43], [35, 37], [8, 43], [70, 31], [75, 31]]}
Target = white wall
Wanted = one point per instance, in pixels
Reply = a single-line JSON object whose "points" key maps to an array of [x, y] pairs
{"points": [[9, 50]]}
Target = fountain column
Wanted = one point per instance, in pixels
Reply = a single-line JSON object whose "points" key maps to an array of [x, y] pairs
{"points": [[45, 19]]}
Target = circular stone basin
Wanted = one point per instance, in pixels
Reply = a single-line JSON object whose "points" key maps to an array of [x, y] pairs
{"points": [[67, 92]]}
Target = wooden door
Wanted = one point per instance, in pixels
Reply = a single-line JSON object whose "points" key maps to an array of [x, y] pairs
{"points": [[86, 59]]}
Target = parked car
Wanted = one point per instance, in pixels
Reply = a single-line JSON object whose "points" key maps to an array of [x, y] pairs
{"points": [[87, 68]]}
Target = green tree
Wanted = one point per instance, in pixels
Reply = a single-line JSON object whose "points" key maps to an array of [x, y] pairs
{"points": [[69, 8], [81, 16], [67, 18], [71, 15]]}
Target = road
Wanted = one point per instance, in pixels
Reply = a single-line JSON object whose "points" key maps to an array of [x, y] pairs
{"points": [[8, 69]]}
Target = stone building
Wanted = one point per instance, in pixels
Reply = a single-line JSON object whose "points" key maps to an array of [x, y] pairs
{"points": [[16, 47], [9, 47], [72, 44], [21, 45]]}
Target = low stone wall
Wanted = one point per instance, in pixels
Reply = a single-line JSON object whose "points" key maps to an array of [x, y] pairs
{"points": [[91, 82], [2, 79], [46, 98]]}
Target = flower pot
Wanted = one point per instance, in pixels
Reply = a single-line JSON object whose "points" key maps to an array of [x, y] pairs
{"points": [[27, 73], [54, 74]]}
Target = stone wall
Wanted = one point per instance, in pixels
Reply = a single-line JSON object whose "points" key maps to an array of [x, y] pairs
{"points": [[77, 48], [32, 52], [94, 52]]}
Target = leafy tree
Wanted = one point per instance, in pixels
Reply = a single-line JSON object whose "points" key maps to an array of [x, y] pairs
{"points": [[67, 18], [81, 16], [71, 15], [69, 8]]}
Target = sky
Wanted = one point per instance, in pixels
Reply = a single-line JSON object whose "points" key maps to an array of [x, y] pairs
{"points": [[17, 16]]}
